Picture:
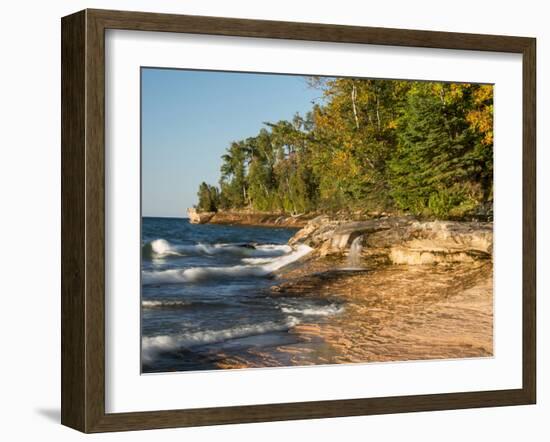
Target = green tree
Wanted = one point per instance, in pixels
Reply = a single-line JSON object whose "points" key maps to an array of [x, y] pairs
{"points": [[208, 198], [233, 176], [439, 162], [419, 147]]}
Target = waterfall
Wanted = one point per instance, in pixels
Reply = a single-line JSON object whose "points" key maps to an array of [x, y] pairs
{"points": [[354, 257]]}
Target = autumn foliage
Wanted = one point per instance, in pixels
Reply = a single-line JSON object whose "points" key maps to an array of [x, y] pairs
{"points": [[424, 148]]}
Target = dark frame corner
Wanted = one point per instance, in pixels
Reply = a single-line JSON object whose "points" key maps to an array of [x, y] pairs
{"points": [[83, 216]]}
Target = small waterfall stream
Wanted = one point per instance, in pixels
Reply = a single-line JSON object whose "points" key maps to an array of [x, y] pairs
{"points": [[354, 257]]}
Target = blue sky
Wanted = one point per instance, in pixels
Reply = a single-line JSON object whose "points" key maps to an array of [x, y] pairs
{"points": [[189, 118]]}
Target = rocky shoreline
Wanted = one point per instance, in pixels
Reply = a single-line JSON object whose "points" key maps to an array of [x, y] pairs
{"points": [[247, 218], [400, 240], [380, 240], [422, 290]]}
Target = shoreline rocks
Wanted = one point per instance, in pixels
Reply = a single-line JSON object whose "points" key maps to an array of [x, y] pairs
{"points": [[248, 218], [401, 240], [387, 239], [196, 217]]}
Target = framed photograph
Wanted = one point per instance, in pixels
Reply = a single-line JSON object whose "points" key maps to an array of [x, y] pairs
{"points": [[267, 221]]}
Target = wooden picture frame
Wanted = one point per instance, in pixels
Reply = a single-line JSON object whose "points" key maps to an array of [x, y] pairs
{"points": [[83, 220]]}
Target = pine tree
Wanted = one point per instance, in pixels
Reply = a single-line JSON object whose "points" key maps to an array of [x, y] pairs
{"points": [[435, 165], [208, 198]]}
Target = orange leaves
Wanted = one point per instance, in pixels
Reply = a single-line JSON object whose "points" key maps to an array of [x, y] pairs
{"points": [[483, 93], [481, 118], [482, 121], [480, 99], [450, 93]]}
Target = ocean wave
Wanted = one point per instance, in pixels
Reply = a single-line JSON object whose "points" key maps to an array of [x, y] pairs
{"points": [[326, 310], [152, 345], [196, 274], [149, 304], [160, 248], [273, 248], [178, 304], [257, 261]]}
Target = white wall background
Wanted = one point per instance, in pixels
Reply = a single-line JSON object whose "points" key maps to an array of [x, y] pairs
{"points": [[30, 216]]}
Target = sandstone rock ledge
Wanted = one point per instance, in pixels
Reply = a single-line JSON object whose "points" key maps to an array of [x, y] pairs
{"points": [[400, 240]]}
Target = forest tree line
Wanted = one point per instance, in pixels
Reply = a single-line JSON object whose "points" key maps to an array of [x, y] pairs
{"points": [[424, 148]]}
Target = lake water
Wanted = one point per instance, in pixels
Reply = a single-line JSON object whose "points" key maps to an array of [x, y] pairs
{"points": [[205, 293]]}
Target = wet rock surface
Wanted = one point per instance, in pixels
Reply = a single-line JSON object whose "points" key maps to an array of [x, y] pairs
{"points": [[389, 313]]}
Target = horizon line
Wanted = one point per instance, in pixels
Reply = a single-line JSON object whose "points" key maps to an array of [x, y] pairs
{"points": [[164, 216]]}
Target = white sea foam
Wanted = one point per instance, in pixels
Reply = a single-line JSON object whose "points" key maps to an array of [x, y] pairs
{"points": [[263, 250], [274, 247], [299, 252], [195, 274], [163, 304], [151, 346], [326, 310], [257, 260], [160, 248]]}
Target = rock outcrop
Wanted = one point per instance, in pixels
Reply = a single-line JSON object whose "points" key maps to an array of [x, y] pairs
{"points": [[248, 218], [196, 217], [401, 240]]}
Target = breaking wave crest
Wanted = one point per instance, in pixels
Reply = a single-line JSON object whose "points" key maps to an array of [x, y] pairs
{"points": [[164, 304], [173, 304], [257, 260], [160, 248], [327, 310], [195, 274], [151, 346]]}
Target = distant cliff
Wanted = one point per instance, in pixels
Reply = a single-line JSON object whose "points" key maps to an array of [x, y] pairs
{"points": [[248, 218]]}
